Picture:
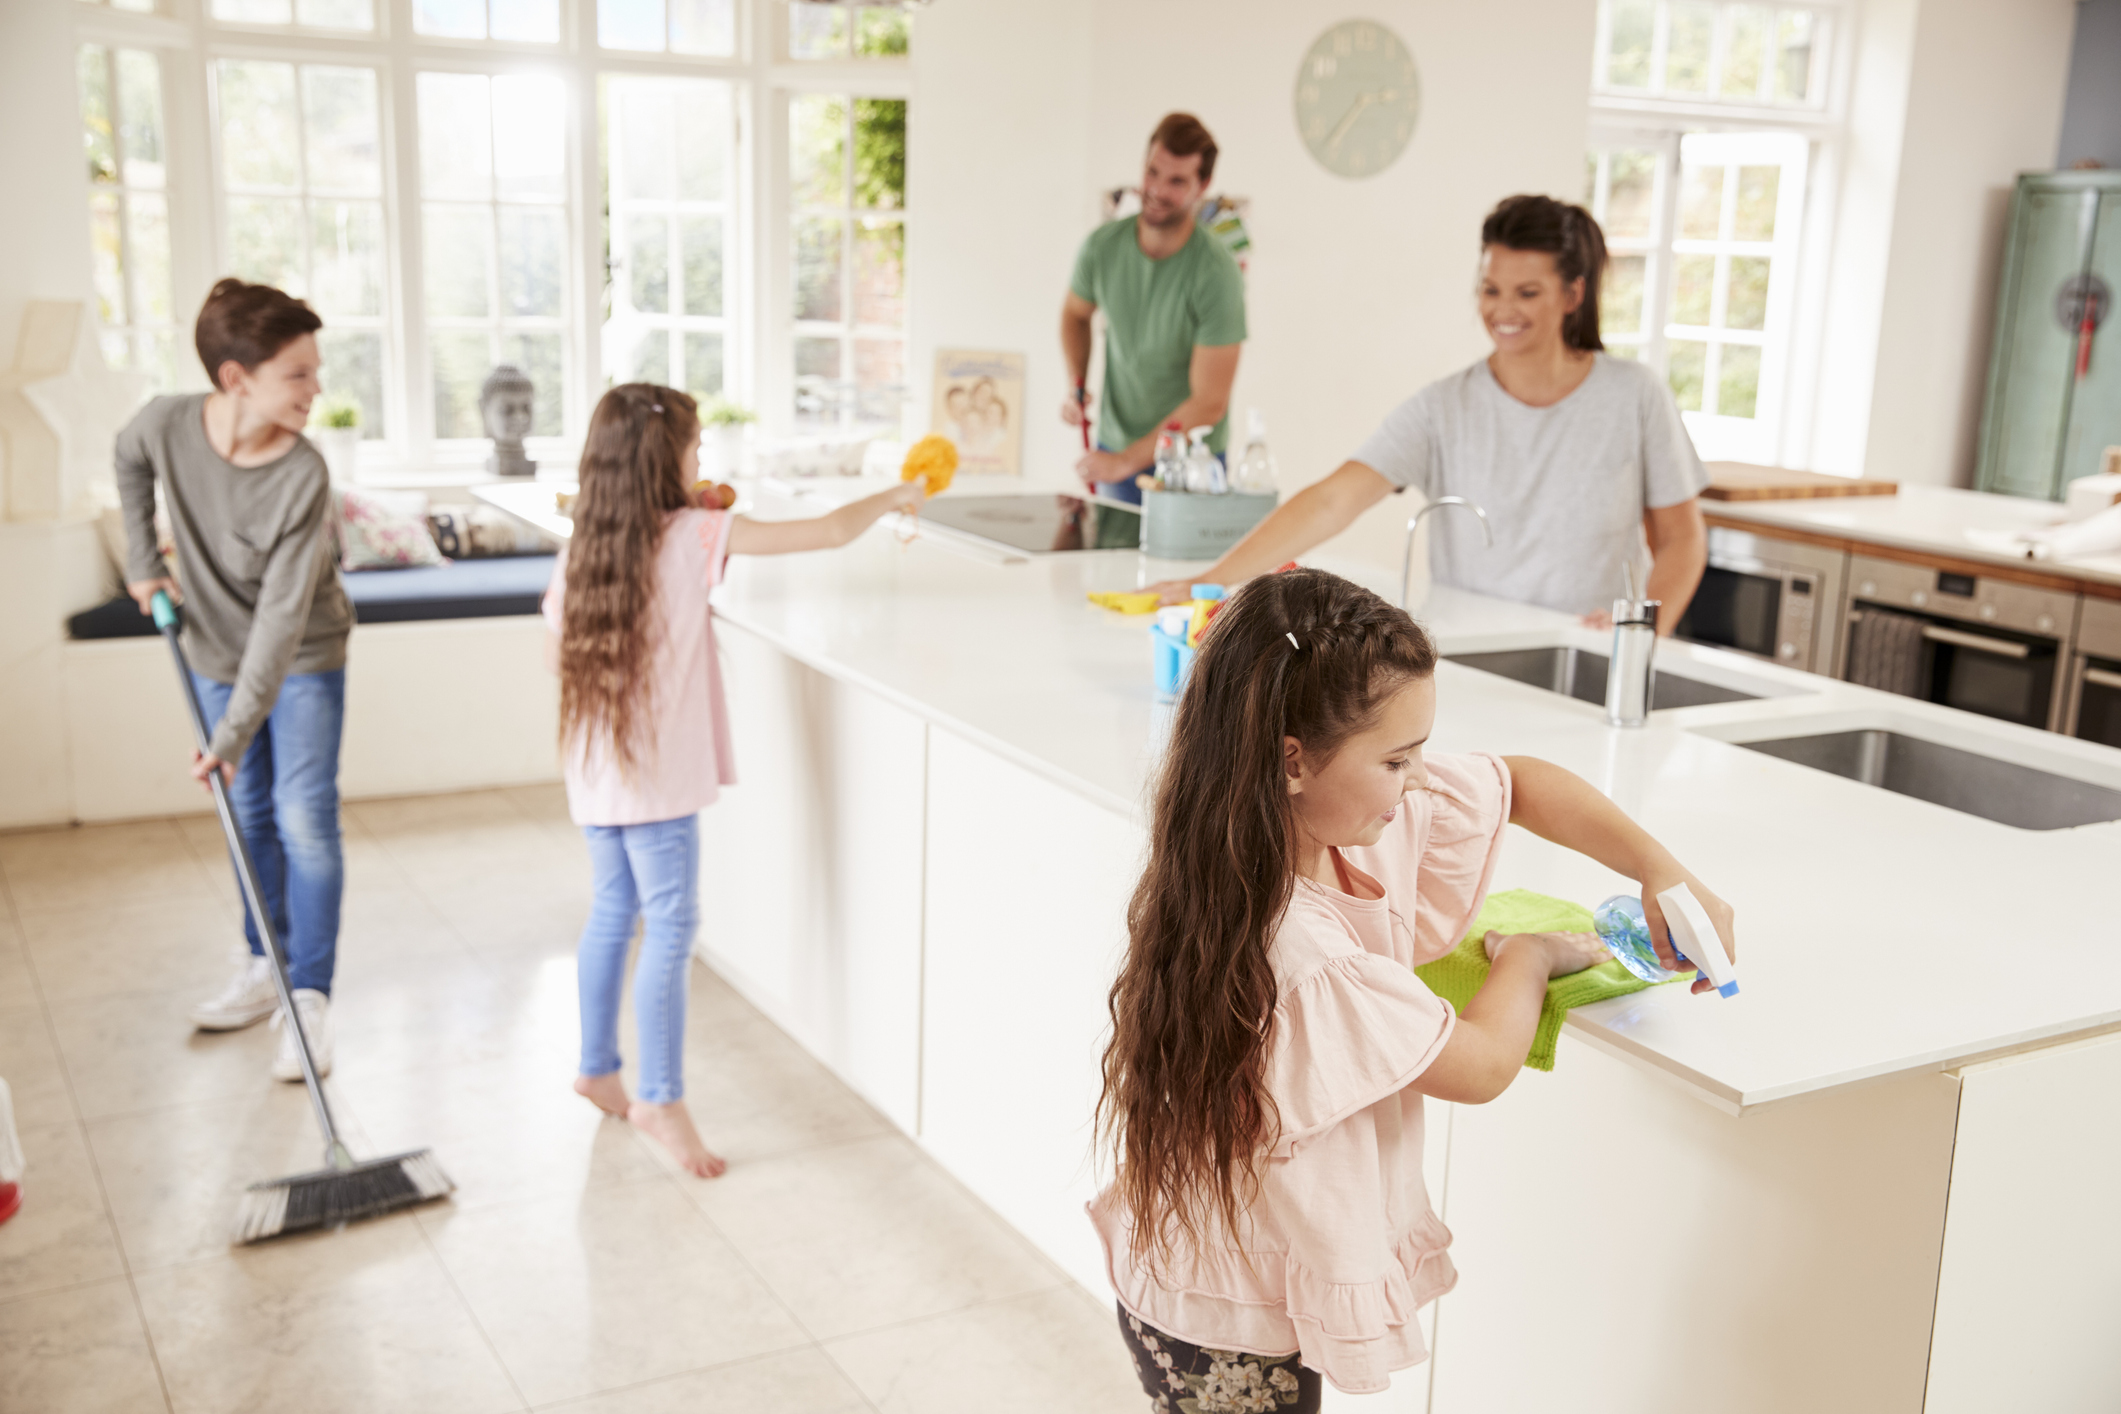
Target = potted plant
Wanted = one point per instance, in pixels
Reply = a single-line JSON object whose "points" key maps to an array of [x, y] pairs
{"points": [[722, 425], [335, 426]]}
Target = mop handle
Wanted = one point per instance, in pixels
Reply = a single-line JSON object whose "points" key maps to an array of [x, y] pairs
{"points": [[165, 612]]}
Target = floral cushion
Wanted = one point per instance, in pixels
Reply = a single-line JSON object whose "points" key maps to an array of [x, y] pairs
{"points": [[383, 530]]}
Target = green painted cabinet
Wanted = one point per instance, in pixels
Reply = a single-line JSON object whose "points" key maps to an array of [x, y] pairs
{"points": [[2054, 374]]}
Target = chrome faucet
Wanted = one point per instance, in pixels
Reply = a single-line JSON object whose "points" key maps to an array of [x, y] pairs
{"points": [[1406, 568], [1631, 674]]}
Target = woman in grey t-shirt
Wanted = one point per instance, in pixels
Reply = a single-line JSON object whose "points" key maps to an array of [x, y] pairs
{"points": [[1577, 456]]}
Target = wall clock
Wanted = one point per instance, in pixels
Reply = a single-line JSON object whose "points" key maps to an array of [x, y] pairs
{"points": [[1357, 97]]}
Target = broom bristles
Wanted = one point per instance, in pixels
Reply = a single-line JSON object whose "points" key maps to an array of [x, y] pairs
{"points": [[329, 1197]]}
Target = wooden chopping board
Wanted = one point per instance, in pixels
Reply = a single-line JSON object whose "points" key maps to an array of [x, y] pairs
{"points": [[1742, 481]]}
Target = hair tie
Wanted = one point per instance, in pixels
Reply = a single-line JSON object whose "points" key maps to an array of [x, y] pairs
{"points": [[655, 407], [1292, 641]]}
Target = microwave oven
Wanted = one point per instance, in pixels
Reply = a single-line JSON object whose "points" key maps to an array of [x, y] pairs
{"points": [[1772, 598]]}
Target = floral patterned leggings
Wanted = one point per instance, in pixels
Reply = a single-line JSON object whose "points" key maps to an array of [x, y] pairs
{"points": [[1190, 1379]]}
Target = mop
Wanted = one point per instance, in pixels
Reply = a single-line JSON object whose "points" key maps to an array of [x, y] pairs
{"points": [[346, 1189]]}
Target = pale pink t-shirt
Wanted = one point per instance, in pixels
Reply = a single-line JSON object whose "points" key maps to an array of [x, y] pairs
{"points": [[682, 758], [1342, 1248]]}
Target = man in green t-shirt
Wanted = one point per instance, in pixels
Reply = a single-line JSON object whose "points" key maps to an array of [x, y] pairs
{"points": [[1174, 306]]}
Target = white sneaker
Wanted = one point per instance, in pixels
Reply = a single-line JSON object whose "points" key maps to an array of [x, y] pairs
{"points": [[315, 1009], [247, 1000]]}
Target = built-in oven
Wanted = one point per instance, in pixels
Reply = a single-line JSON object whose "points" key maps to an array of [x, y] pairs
{"points": [[1772, 598], [2094, 708], [1964, 640]]}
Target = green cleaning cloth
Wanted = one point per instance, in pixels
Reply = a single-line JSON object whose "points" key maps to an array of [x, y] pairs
{"points": [[1457, 975]]}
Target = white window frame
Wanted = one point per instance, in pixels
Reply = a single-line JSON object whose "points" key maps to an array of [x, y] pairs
{"points": [[134, 334]]}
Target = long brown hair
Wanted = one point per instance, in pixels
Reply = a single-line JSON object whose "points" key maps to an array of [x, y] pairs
{"points": [[1572, 236], [1302, 654], [632, 477]]}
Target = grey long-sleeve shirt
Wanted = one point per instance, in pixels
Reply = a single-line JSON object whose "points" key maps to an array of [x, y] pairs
{"points": [[262, 597]]}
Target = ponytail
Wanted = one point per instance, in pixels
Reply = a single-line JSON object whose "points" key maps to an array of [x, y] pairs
{"points": [[1568, 233]]}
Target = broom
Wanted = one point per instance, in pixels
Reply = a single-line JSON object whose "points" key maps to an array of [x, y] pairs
{"points": [[346, 1189]]}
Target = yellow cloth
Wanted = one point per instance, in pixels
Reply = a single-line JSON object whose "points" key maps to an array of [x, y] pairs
{"points": [[1142, 603], [933, 459]]}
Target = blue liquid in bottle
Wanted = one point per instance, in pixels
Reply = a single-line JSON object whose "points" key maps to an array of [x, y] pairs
{"points": [[1622, 928]]}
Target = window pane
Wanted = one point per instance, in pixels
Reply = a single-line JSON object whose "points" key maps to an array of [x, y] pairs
{"points": [[1684, 360], [703, 365], [158, 358], [817, 267], [1631, 352], [1620, 302], [530, 21], [539, 356], [651, 358], [818, 148], [630, 24], [140, 110], [1627, 62], [1631, 195], [258, 123], [881, 30], [456, 156], [1693, 279], [336, 14], [702, 140], [1686, 57], [648, 263], [529, 132], [533, 261], [700, 241], [107, 250], [117, 349], [254, 12], [353, 368], [703, 26], [138, 7], [1590, 180], [461, 362], [880, 273], [646, 128], [880, 381], [450, 19], [1700, 202], [1757, 189], [265, 241], [817, 372], [1745, 301], [346, 257], [459, 242], [92, 69], [880, 153], [817, 31], [345, 144], [1745, 50], [1793, 55], [1738, 381], [147, 248]]}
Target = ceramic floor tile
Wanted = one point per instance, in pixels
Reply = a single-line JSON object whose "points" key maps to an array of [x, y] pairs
{"points": [[755, 1094], [18, 987], [798, 1382], [619, 1286], [97, 866], [460, 1013], [80, 1351], [62, 1236], [359, 1319], [133, 948], [1057, 1352], [136, 1051], [855, 1236], [175, 1176], [31, 1065]]}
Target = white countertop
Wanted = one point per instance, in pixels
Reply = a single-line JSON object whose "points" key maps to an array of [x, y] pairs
{"points": [[1878, 933], [1932, 519]]}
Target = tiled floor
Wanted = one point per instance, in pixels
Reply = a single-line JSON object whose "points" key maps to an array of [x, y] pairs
{"points": [[834, 1268]]}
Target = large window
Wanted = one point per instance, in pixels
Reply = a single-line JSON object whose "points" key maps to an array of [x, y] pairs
{"points": [[128, 208], [847, 180], [840, 31], [1701, 50]]}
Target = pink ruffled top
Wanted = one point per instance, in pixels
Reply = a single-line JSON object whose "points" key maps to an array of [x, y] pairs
{"points": [[1342, 1247]]}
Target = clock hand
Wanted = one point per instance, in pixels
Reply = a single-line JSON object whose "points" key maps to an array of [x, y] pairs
{"points": [[1355, 110]]}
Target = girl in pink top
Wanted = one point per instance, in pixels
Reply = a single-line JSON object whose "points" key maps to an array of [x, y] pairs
{"points": [[1271, 1043], [643, 730]]}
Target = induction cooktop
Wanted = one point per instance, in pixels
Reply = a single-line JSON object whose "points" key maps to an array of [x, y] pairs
{"points": [[1036, 524]]}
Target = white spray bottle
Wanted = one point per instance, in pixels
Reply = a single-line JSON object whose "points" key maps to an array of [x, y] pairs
{"points": [[1695, 939]]}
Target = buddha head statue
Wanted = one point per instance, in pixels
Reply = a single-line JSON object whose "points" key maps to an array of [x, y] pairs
{"points": [[507, 404]]}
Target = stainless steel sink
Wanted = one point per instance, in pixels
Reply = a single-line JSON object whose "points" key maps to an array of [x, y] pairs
{"points": [[2003, 791], [1578, 673]]}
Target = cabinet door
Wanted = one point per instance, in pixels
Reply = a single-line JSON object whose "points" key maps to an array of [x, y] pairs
{"points": [[2095, 400], [2035, 357]]}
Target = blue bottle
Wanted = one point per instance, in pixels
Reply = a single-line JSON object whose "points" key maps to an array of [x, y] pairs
{"points": [[1622, 927]]}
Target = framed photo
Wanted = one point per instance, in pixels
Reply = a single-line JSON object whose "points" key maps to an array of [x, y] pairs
{"points": [[979, 404]]}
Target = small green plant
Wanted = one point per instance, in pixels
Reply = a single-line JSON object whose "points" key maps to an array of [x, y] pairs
{"points": [[721, 412], [337, 410]]}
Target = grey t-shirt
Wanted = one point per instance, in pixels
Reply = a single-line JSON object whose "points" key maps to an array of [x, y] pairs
{"points": [[262, 597], [1564, 486]]}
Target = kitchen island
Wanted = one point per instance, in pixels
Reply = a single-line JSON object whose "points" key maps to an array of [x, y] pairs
{"points": [[1876, 1180]]}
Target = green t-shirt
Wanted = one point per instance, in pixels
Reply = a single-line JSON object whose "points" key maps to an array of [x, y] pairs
{"points": [[1156, 312]]}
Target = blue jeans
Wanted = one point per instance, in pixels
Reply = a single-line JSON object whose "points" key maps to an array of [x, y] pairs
{"points": [[286, 799], [650, 872]]}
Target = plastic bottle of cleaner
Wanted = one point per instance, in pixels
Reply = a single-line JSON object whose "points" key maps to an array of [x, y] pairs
{"points": [[1171, 457], [1207, 602], [1255, 474], [1204, 473], [1621, 927]]}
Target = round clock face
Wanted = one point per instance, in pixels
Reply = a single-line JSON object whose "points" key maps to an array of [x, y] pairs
{"points": [[1356, 98]]}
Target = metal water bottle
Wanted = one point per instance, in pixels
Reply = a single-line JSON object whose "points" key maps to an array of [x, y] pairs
{"points": [[1631, 677]]}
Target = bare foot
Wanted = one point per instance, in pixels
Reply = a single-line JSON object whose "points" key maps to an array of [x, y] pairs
{"points": [[671, 1126], [607, 1092]]}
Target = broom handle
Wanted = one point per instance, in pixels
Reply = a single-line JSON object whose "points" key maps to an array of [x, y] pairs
{"points": [[165, 612]]}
